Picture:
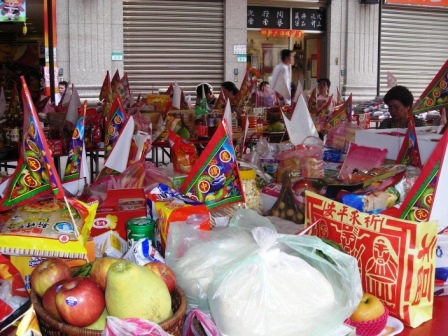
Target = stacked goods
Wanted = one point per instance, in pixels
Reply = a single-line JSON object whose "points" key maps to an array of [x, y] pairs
{"points": [[286, 207]]}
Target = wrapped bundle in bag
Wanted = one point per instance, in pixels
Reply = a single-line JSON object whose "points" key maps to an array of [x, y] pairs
{"points": [[257, 282]]}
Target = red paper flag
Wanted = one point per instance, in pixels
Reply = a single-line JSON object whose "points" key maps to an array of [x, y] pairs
{"points": [[105, 87], [409, 153], [115, 80], [35, 174], [312, 102], [341, 113], [220, 103], [435, 95], [115, 121]]}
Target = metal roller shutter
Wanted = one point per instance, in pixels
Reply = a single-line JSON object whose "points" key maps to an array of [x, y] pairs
{"points": [[413, 46], [168, 41]]}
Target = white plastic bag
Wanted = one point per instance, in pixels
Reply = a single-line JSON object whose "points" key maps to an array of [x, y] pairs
{"points": [[285, 288]]}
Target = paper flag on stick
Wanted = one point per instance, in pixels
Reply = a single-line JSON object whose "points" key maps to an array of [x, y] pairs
{"points": [[73, 107], [426, 200], [35, 174], [2, 101], [435, 95], [122, 89], [115, 122], [409, 153], [76, 173], [341, 114], [214, 178], [115, 80], [105, 87], [301, 125], [228, 117], [391, 80], [76, 152], [220, 102], [117, 160]]}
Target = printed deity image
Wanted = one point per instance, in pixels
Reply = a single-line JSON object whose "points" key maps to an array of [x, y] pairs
{"points": [[395, 256], [12, 10]]}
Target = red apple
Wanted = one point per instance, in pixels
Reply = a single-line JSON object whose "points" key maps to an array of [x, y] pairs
{"points": [[47, 273], [80, 301], [99, 270], [370, 308], [49, 299], [165, 272]]}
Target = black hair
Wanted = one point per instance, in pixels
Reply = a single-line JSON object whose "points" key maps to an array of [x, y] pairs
{"points": [[262, 85], [204, 87], [284, 54], [230, 86], [326, 80], [400, 93], [65, 83]]}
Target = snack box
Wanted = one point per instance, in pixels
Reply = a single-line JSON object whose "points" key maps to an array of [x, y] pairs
{"points": [[427, 138], [110, 244], [25, 264], [119, 206]]}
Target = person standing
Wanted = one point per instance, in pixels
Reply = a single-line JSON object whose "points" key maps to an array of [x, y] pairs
{"points": [[59, 97], [207, 90], [281, 77], [323, 95]]}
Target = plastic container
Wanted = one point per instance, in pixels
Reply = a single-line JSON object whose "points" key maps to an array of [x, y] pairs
{"points": [[139, 228], [251, 193]]}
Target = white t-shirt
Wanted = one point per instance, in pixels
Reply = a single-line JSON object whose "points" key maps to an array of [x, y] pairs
{"points": [[281, 80]]}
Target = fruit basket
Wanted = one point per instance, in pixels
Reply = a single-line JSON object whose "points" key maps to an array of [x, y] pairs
{"points": [[52, 327]]}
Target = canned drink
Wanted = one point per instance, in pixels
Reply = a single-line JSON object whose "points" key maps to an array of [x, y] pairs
{"points": [[139, 228]]}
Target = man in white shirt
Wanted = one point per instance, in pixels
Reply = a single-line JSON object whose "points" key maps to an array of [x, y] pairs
{"points": [[281, 78]]}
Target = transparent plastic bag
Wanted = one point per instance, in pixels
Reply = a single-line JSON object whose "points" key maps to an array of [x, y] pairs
{"points": [[194, 254], [195, 320], [132, 327], [285, 288]]}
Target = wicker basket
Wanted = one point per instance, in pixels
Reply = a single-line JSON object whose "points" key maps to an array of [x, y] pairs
{"points": [[52, 327]]}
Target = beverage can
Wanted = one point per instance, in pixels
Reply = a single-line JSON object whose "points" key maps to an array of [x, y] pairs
{"points": [[139, 228]]}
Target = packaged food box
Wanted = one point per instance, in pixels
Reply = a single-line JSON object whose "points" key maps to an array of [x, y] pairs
{"points": [[119, 206]]}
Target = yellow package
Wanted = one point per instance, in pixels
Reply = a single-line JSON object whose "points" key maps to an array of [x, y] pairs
{"points": [[48, 228]]}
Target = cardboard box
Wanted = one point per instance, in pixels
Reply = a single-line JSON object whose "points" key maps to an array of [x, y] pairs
{"points": [[120, 206], [426, 136]]}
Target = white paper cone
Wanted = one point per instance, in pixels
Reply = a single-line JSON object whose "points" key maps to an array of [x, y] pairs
{"points": [[176, 96], [301, 125], [118, 158]]}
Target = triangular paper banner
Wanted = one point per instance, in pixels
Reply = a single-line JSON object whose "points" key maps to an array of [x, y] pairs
{"points": [[176, 100], [220, 102], [228, 117], [420, 200], [105, 87], [409, 153], [123, 90], [312, 101], [435, 95], [341, 114], [35, 174], [339, 99], [391, 80], [115, 80], [76, 152], [301, 125], [114, 124], [73, 107], [214, 178], [299, 91]]}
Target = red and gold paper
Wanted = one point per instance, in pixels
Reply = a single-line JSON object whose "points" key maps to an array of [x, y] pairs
{"points": [[435, 95], [115, 80], [409, 153], [269, 32], [396, 257], [341, 113], [35, 174], [105, 87]]}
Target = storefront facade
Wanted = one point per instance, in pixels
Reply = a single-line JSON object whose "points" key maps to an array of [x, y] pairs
{"points": [[354, 45]]}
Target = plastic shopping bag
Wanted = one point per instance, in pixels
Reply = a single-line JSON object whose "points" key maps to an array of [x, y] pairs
{"points": [[132, 327]]}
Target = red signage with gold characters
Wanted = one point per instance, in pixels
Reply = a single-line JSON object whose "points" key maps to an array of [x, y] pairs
{"points": [[281, 32]]}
